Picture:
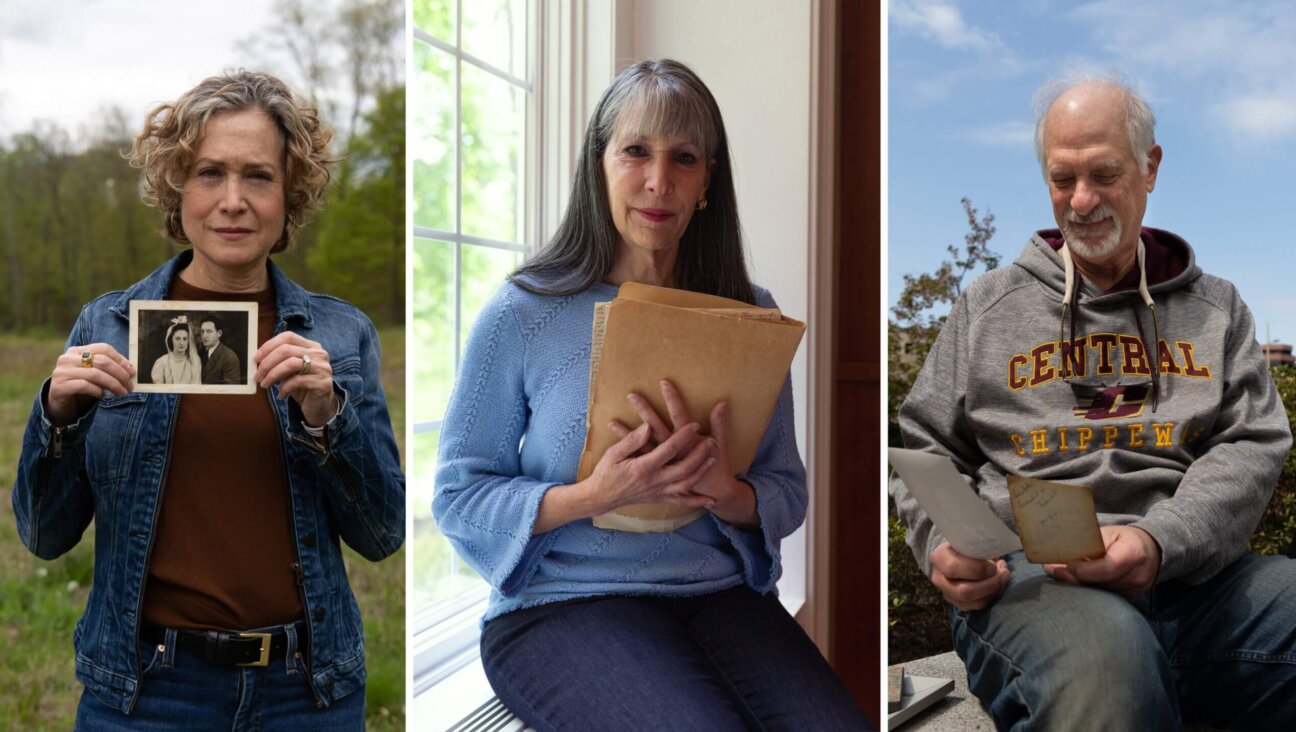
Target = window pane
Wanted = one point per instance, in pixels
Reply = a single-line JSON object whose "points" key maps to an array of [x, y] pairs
{"points": [[436, 17], [483, 271], [495, 32], [494, 116], [432, 349], [432, 97], [439, 573]]}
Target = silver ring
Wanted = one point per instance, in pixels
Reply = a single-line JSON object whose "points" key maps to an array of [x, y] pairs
{"points": [[306, 364]]}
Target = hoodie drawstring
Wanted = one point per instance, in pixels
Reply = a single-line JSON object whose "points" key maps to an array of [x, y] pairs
{"points": [[1070, 299]]}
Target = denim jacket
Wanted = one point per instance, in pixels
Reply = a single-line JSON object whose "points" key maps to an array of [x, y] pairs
{"points": [[111, 466]]}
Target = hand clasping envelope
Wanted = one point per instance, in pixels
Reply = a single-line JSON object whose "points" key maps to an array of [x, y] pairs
{"points": [[711, 348]]}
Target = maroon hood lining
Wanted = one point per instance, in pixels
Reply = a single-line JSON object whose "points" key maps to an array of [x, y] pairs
{"points": [[1166, 259]]}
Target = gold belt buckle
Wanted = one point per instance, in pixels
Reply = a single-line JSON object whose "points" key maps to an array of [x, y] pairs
{"points": [[264, 660]]}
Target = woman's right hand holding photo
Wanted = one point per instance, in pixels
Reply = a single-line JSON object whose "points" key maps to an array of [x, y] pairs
{"points": [[81, 376]]}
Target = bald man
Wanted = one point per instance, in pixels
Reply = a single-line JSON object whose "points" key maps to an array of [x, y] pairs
{"points": [[1105, 357]]}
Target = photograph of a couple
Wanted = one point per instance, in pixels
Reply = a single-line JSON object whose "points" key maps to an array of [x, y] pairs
{"points": [[191, 346]]}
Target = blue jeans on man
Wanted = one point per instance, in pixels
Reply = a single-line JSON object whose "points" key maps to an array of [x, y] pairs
{"points": [[1047, 655]]}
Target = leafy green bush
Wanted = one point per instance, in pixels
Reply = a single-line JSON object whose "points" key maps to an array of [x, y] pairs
{"points": [[906, 583], [1278, 525]]}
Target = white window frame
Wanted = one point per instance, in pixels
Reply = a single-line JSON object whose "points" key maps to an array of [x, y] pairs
{"points": [[573, 61], [443, 637]]}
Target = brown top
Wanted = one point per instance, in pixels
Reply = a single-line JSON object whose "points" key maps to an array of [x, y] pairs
{"points": [[222, 552]]}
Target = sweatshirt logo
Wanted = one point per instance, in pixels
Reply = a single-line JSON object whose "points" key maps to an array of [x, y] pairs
{"points": [[1117, 355], [1113, 402]]}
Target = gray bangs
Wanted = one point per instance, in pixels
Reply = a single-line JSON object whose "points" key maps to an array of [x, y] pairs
{"points": [[655, 105]]}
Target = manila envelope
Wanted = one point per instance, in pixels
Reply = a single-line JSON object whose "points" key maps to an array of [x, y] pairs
{"points": [[711, 348], [1056, 521]]}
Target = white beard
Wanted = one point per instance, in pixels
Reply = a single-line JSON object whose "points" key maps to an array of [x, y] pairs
{"points": [[1091, 248]]}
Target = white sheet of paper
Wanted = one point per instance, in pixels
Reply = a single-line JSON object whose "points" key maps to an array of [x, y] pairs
{"points": [[961, 516]]}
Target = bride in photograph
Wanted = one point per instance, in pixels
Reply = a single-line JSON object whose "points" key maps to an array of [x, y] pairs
{"points": [[180, 364]]}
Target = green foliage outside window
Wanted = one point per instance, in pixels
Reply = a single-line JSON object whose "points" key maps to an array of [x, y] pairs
{"points": [[468, 180]]}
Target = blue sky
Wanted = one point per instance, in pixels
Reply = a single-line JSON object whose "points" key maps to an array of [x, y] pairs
{"points": [[1220, 77]]}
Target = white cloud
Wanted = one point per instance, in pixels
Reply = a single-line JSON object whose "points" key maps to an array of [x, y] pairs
{"points": [[37, 22], [126, 53], [1232, 62], [1259, 118], [1194, 38], [942, 22], [1012, 133]]}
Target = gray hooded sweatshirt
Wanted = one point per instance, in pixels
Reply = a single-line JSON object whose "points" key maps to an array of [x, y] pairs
{"points": [[1190, 454]]}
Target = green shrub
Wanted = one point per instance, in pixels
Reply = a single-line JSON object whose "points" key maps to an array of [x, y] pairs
{"points": [[906, 583], [1278, 525]]}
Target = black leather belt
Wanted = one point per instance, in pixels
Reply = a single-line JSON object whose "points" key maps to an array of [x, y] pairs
{"points": [[233, 648]]}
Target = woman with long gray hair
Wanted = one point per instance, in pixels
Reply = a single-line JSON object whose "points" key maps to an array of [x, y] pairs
{"points": [[598, 629]]}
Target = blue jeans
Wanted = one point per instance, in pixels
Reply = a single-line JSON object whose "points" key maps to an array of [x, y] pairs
{"points": [[1047, 655], [181, 691], [730, 660]]}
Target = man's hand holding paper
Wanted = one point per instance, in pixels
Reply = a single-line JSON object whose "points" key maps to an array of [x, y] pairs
{"points": [[1129, 567], [965, 582]]}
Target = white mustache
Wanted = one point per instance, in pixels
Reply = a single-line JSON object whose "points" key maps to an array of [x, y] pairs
{"points": [[1102, 213]]}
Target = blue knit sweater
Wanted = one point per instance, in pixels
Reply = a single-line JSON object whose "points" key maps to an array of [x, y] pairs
{"points": [[515, 427]]}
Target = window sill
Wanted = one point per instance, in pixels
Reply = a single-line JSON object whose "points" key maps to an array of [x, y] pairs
{"points": [[451, 699]]}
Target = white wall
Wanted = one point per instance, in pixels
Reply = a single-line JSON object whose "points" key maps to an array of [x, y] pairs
{"points": [[755, 56]]}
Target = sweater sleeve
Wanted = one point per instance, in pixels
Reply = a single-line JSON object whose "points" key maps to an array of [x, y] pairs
{"points": [[778, 479], [1208, 522], [482, 502], [359, 460], [932, 419]]}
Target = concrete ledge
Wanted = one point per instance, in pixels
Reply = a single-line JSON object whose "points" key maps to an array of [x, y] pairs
{"points": [[957, 712], [960, 710]]}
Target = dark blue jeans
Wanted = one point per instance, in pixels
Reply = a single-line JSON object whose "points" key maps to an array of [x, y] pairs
{"points": [[1048, 655], [731, 660], [181, 691]]}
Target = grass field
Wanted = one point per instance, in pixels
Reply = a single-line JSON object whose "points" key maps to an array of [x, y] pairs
{"points": [[41, 601]]}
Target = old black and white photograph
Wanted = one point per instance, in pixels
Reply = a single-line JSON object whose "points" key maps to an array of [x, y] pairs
{"points": [[193, 347]]}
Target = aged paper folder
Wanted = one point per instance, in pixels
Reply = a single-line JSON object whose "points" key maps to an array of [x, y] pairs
{"points": [[711, 348]]}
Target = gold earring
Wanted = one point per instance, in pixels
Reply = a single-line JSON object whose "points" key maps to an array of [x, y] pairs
{"points": [[701, 205]]}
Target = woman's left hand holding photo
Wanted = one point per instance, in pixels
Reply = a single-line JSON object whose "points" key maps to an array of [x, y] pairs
{"points": [[81, 376], [302, 369]]}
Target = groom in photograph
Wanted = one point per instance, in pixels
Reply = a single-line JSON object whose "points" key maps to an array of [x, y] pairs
{"points": [[220, 363]]}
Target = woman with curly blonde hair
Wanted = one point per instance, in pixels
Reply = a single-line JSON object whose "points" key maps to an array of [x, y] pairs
{"points": [[220, 599]]}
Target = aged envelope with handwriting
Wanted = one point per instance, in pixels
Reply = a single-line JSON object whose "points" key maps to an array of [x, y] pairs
{"points": [[1056, 521], [711, 348]]}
